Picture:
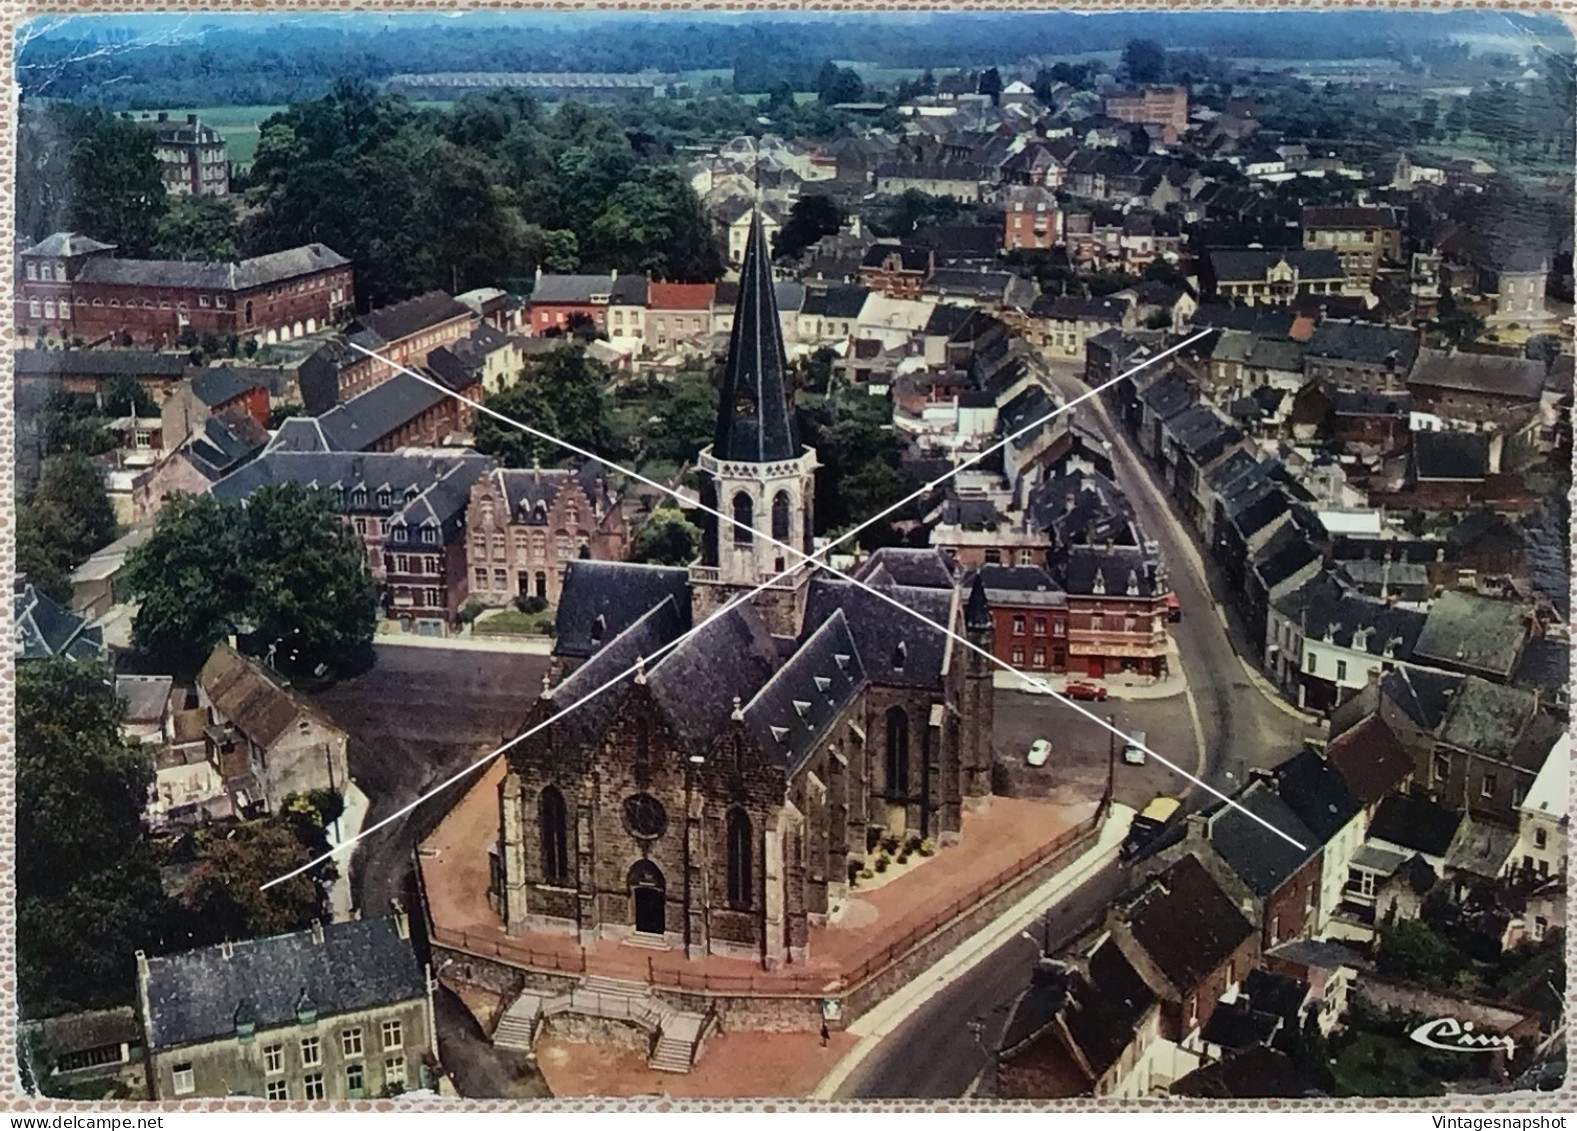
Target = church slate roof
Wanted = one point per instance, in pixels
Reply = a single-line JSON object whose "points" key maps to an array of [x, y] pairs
{"points": [[696, 684], [618, 592], [755, 421], [193, 996], [897, 565], [794, 708], [879, 629], [652, 631]]}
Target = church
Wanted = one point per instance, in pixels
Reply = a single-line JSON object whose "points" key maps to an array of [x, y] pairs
{"points": [[722, 797]]}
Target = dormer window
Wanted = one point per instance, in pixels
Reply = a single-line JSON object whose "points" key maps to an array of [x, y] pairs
{"points": [[599, 627], [358, 497], [429, 536], [900, 654], [385, 499]]}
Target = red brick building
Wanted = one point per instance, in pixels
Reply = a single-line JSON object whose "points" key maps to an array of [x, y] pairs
{"points": [[1031, 219], [1158, 105], [896, 271], [72, 286], [401, 335], [556, 300], [1029, 617], [1117, 609]]}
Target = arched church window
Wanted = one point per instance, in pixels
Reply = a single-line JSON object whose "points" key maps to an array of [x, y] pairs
{"points": [[643, 742], [739, 860], [744, 519], [553, 824], [897, 752], [780, 516]]}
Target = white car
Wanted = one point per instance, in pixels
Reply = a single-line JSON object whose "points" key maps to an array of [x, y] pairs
{"points": [[1133, 749], [1039, 751]]}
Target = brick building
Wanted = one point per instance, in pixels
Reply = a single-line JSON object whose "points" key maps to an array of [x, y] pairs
{"points": [[1117, 608], [896, 271], [403, 334], [1363, 238], [72, 286], [1158, 105], [527, 526], [1029, 617], [558, 300], [210, 392], [194, 159]]}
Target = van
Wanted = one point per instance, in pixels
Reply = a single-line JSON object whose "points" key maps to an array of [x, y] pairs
{"points": [[1133, 749], [1161, 809], [1148, 826]]}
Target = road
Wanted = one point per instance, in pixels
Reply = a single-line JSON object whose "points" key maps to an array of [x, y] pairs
{"points": [[936, 1054], [417, 717]]}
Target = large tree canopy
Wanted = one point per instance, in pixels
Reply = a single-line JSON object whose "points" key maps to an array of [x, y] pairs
{"points": [[64, 519], [562, 393]]}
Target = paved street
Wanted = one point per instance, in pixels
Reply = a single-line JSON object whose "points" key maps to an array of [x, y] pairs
{"points": [[417, 717]]}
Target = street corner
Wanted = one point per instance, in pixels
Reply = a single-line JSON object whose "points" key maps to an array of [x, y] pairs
{"points": [[747, 1064]]}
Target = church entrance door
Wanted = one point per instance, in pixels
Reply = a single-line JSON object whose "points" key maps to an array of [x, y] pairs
{"points": [[897, 818], [647, 893]]}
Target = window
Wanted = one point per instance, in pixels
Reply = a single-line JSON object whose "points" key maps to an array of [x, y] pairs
{"points": [[1038, 657], [481, 577], [355, 1081], [1040, 626], [1341, 670], [1059, 628], [65, 310], [435, 598], [1018, 655], [429, 536], [500, 579], [552, 822], [744, 520], [49, 308], [203, 302], [393, 1036], [1486, 787], [394, 1071], [185, 1080], [1540, 925], [350, 1041], [1275, 929], [273, 1059], [32, 271], [278, 1090], [780, 516], [311, 1052], [312, 1086], [35, 308], [740, 851], [1026, 557], [897, 765], [1360, 883], [1309, 663], [1541, 838], [1193, 1010], [1442, 768], [993, 557], [1018, 626], [402, 563]]}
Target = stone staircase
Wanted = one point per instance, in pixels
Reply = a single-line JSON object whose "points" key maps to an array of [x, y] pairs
{"points": [[678, 1035]]}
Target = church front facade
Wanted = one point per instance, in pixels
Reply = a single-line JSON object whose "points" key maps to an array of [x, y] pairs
{"points": [[727, 787]]}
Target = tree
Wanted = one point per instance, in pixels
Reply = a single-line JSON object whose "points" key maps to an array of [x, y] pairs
{"points": [[87, 894], [835, 84], [120, 195], [666, 538], [809, 219], [125, 396], [562, 394], [991, 85], [815, 371], [1412, 950], [223, 897], [1144, 60], [64, 520], [681, 419]]}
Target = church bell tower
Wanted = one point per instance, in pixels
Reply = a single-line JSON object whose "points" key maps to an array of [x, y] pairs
{"points": [[755, 470]]}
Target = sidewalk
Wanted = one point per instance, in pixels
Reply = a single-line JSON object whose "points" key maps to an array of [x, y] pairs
{"points": [[341, 901], [879, 1023], [535, 646]]}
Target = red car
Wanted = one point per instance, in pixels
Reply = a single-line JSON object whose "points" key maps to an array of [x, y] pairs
{"points": [[1081, 689]]}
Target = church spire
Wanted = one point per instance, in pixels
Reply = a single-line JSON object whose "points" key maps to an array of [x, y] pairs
{"points": [[755, 423]]}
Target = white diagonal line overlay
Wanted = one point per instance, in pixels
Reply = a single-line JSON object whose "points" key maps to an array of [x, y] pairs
{"points": [[804, 559]]}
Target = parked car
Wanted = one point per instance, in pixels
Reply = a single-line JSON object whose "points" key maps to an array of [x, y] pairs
{"points": [[1174, 608], [1133, 749], [1148, 825], [1084, 689], [1039, 751]]}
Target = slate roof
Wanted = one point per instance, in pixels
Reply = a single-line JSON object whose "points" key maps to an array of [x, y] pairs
{"points": [[961, 241], [897, 565], [404, 476], [1415, 822], [402, 319], [529, 493], [1496, 721], [363, 964], [1168, 396], [1365, 343], [835, 302], [441, 506], [909, 258], [696, 684], [1451, 456], [1102, 1010], [1423, 694], [618, 592], [630, 290], [1369, 759], [1260, 858], [1258, 1072], [879, 629], [248, 274], [1077, 308], [368, 417], [1240, 1024], [247, 695], [99, 362], [1474, 632], [1287, 552], [1017, 586], [1201, 433], [224, 383], [1488, 374], [1252, 264], [797, 705], [1330, 612], [1271, 321], [145, 696], [574, 290], [1317, 794], [995, 286], [1187, 925], [224, 443], [1120, 568], [64, 245], [1098, 504], [44, 629], [755, 421], [1546, 666], [946, 320], [1349, 217]]}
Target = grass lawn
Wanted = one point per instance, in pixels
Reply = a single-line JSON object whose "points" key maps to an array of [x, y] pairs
{"points": [[241, 125], [513, 622]]}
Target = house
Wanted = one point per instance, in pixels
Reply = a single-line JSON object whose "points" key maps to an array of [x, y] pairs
{"points": [[557, 301], [1473, 635], [425, 557], [72, 286], [1542, 818], [1031, 221], [408, 410], [1161, 105], [830, 316], [223, 444], [208, 393], [44, 630], [958, 180], [89, 372], [1118, 596], [790, 297], [626, 313], [895, 270], [1316, 791], [1066, 323], [1029, 617], [269, 743], [1449, 468], [1360, 355], [1364, 238], [527, 526], [401, 335], [735, 218], [493, 307], [1514, 269], [336, 1012], [486, 359], [1252, 276], [1487, 751], [98, 1051], [1480, 392], [678, 314], [96, 583], [994, 290], [194, 159], [1372, 763]]}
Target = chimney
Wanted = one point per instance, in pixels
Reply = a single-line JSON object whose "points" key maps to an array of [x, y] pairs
{"points": [[227, 948], [402, 921], [1198, 827], [191, 119], [613, 276], [163, 117], [317, 931]]}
